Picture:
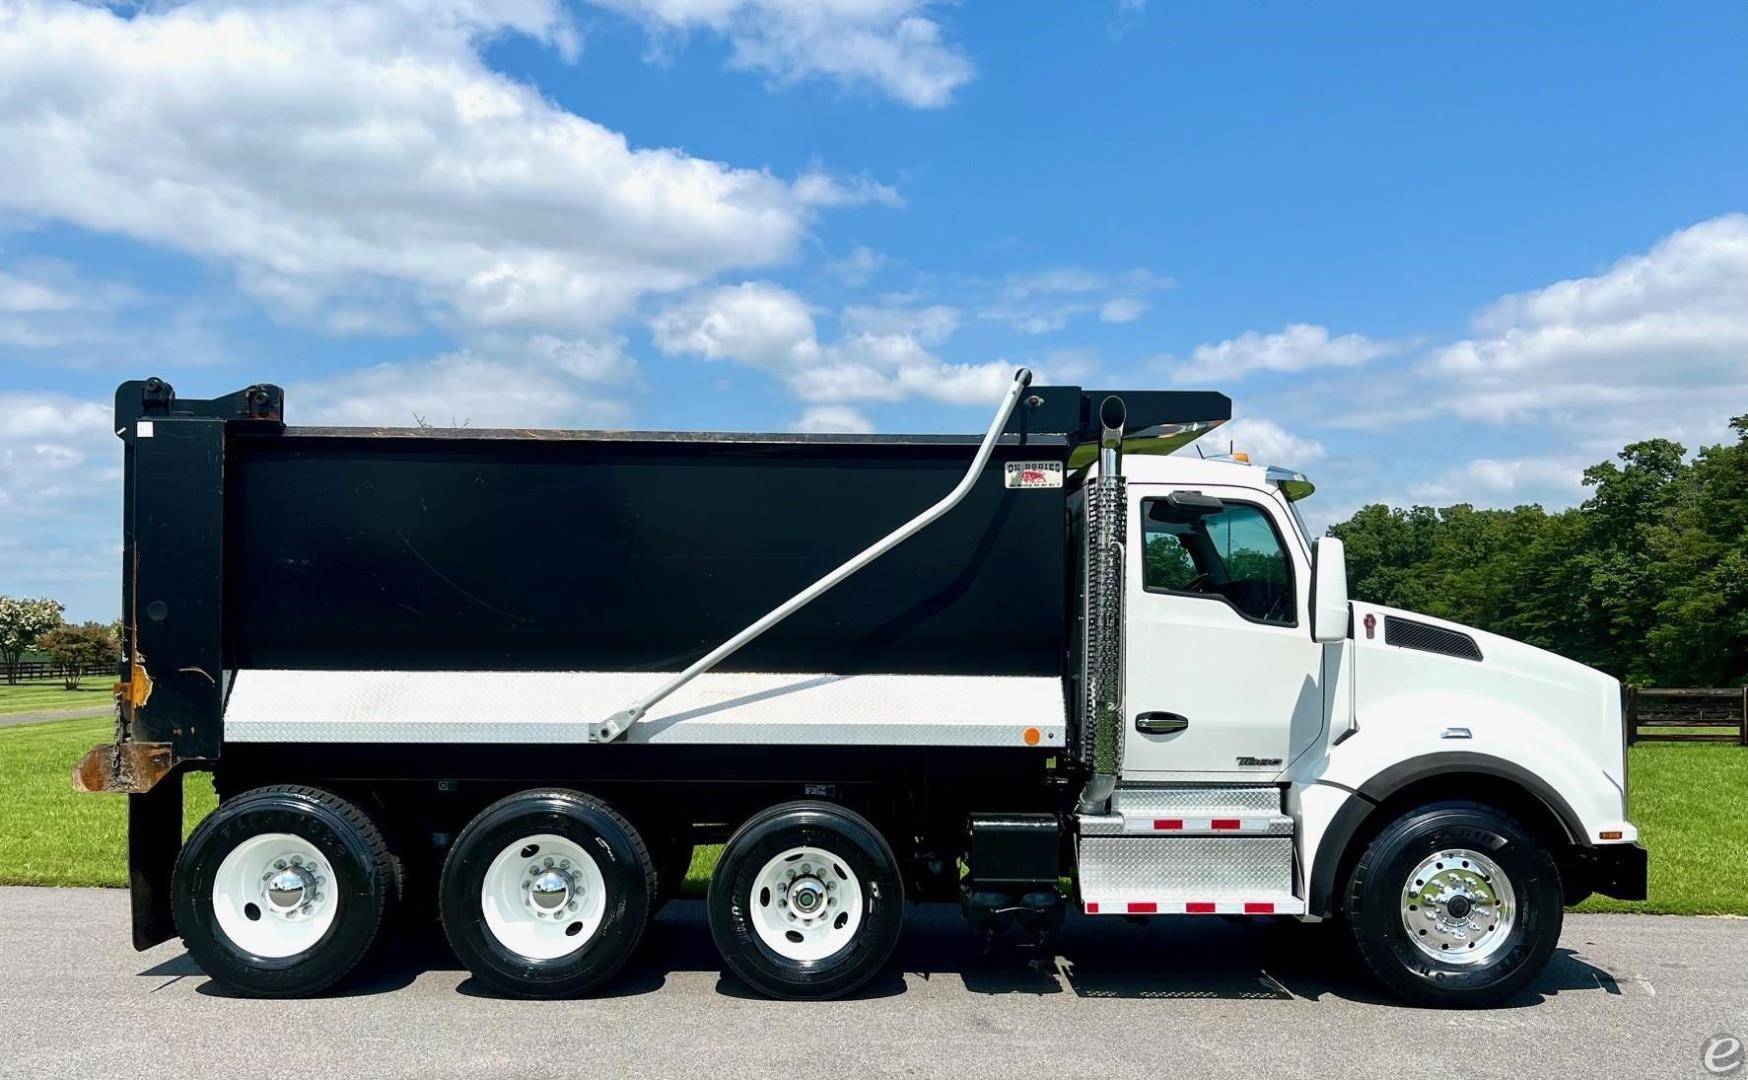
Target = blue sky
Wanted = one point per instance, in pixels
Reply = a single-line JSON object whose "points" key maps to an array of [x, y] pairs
{"points": [[1433, 257]]}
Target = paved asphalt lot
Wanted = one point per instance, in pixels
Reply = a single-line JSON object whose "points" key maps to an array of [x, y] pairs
{"points": [[15, 719], [1627, 996]]}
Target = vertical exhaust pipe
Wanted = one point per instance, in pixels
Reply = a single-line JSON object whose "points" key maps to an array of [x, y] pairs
{"points": [[1113, 414], [1101, 717]]}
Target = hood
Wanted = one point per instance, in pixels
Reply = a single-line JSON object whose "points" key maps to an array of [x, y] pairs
{"points": [[1487, 679]]}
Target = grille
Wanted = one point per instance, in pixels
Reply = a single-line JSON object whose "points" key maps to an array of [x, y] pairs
{"points": [[1408, 634]]}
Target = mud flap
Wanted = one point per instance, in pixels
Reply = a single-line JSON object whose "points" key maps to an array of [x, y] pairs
{"points": [[154, 839]]}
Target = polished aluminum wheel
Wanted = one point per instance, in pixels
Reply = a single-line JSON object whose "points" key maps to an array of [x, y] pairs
{"points": [[272, 897], [806, 904], [543, 897], [1458, 907]]}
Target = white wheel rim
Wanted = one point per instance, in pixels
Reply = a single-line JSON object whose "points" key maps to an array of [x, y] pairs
{"points": [[275, 895], [1459, 907], [543, 897], [806, 904]]}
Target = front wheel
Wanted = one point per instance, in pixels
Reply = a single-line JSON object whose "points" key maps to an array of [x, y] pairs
{"points": [[806, 901], [1455, 904]]}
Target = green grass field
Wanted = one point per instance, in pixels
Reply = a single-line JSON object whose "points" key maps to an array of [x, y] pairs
{"points": [[42, 695], [1691, 802]]}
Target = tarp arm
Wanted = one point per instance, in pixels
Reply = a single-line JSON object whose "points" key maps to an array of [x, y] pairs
{"points": [[617, 724]]}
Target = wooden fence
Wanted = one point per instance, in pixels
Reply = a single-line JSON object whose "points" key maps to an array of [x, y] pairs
{"points": [[43, 669], [1692, 715]]}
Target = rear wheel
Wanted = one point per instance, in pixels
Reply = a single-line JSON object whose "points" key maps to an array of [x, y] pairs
{"points": [[806, 901], [546, 894], [281, 890], [1455, 904]]}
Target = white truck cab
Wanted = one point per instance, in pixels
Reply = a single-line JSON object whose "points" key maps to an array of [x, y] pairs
{"points": [[1246, 668]]}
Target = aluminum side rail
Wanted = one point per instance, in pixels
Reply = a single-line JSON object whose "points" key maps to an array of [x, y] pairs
{"points": [[616, 725]]}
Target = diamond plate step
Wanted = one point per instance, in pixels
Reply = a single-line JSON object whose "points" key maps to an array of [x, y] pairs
{"points": [[1210, 874], [1197, 800]]}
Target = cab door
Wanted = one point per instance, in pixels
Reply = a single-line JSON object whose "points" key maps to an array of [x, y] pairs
{"points": [[1222, 680]]}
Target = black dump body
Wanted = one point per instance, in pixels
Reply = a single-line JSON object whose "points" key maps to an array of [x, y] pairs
{"points": [[496, 550], [249, 544]]}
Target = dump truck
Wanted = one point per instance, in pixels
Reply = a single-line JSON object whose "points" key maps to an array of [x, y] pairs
{"points": [[510, 679]]}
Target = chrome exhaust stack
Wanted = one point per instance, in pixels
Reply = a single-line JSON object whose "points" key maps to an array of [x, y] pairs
{"points": [[1101, 707]]}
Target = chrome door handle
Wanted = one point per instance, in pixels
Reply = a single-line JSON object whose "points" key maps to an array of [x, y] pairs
{"points": [[1160, 723]]}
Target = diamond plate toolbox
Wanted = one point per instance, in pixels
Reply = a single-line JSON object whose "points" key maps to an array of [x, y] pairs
{"points": [[1119, 867]]}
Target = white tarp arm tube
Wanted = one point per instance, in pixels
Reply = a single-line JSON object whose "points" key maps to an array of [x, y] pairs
{"points": [[616, 725]]}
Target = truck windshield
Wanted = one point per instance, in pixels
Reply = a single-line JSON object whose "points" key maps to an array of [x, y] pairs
{"points": [[1234, 554]]}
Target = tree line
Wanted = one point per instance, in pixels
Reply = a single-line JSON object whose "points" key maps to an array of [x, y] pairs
{"points": [[1646, 579], [35, 624]]}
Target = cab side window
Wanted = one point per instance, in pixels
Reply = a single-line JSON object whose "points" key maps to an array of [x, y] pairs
{"points": [[1233, 554]]}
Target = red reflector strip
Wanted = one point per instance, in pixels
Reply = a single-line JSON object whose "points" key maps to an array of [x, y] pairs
{"points": [[1167, 824], [1198, 907], [1092, 909], [1143, 909], [1225, 823], [1259, 909]]}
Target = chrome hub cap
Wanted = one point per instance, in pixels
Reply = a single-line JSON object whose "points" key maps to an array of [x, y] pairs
{"points": [[806, 904], [1458, 907], [543, 897], [550, 891], [271, 895], [287, 889]]}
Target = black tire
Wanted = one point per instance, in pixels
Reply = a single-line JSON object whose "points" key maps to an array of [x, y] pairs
{"points": [[864, 852], [365, 879], [672, 862], [618, 852], [1374, 905]]}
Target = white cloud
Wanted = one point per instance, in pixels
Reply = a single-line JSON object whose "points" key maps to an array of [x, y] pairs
{"points": [[889, 45], [858, 266], [1044, 301], [1297, 347], [930, 325], [49, 304], [834, 419], [1267, 443], [1122, 309], [882, 356], [1660, 337], [819, 188], [330, 152], [464, 388], [60, 496], [1505, 482], [755, 323]]}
